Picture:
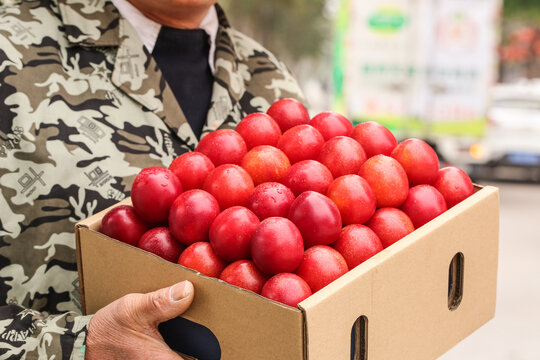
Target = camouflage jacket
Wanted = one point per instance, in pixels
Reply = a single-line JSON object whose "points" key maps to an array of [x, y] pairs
{"points": [[83, 107]]}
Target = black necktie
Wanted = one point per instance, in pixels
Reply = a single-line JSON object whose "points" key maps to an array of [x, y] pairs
{"points": [[182, 56]]}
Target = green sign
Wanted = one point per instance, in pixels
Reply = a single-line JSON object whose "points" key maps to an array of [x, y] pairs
{"points": [[387, 20]]}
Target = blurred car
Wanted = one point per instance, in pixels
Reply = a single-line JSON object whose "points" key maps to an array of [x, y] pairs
{"points": [[510, 148]]}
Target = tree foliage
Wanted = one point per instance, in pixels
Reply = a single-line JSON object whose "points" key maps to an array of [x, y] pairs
{"points": [[521, 10], [292, 29]]}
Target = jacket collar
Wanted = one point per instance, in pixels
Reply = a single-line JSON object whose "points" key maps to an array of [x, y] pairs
{"points": [[90, 23], [229, 79]]}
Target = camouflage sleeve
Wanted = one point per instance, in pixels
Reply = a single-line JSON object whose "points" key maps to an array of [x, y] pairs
{"points": [[29, 334]]}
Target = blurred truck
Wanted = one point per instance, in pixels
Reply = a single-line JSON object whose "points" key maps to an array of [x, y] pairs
{"points": [[510, 147]]}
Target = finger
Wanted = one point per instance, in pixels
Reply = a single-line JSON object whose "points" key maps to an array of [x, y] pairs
{"points": [[167, 303]]}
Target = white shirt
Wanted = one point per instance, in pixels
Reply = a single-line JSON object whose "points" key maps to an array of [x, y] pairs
{"points": [[148, 30]]}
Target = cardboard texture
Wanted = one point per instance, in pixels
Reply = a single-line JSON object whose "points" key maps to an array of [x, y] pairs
{"points": [[402, 291]]}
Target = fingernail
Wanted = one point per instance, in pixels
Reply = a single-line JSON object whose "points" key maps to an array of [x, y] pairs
{"points": [[181, 290]]}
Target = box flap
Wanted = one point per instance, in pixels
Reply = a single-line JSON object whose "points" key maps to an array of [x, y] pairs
{"points": [[403, 290]]}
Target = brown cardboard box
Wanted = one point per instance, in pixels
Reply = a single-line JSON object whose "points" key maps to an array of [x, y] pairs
{"points": [[401, 295]]}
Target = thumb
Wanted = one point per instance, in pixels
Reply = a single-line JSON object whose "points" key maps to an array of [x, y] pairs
{"points": [[167, 303]]}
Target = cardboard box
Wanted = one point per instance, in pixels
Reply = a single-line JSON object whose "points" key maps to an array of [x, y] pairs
{"points": [[402, 296]]}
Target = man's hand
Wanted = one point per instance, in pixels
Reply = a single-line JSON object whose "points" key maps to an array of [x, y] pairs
{"points": [[127, 328]]}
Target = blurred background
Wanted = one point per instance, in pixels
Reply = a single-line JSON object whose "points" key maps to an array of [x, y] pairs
{"points": [[464, 75]]}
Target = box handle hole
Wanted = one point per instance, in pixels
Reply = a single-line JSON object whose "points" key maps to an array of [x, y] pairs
{"points": [[191, 339], [455, 281], [359, 339]]}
